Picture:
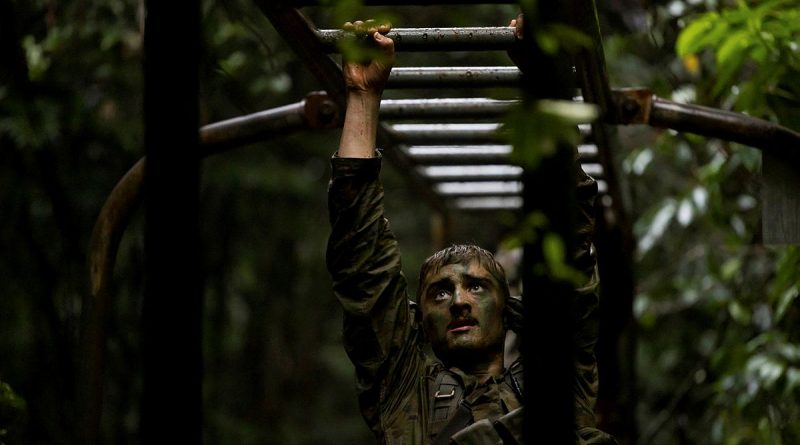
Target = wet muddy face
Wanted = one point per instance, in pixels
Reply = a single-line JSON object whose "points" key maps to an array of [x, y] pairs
{"points": [[462, 311]]}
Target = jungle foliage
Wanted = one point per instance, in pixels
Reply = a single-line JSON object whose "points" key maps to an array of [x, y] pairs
{"points": [[717, 356]]}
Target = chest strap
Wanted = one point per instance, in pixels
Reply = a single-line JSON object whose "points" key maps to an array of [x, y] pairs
{"points": [[448, 393], [513, 378], [449, 412]]}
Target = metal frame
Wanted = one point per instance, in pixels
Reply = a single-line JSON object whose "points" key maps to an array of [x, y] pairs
{"points": [[425, 152]]}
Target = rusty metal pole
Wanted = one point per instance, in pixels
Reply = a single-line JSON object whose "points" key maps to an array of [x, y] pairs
{"points": [[171, 404]]}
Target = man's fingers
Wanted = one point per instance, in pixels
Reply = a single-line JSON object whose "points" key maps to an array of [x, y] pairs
{"points": [[368, 27], [385, 43], [383, 28], [518, 25]]}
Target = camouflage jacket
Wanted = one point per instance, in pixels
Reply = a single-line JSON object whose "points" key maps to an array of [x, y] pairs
{"points": [[383, 335]]}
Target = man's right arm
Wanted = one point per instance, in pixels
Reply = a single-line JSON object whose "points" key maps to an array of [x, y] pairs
{"points": [[365, 83], [363, 257]]}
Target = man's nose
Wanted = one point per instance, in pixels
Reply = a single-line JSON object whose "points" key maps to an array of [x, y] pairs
{"points": [[460, 302]]}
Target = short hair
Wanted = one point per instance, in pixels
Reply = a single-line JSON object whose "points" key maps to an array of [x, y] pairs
{"points": [[463, 254]]}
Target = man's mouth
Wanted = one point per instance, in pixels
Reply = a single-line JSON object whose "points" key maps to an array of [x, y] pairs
{"points": [[461, 325]]}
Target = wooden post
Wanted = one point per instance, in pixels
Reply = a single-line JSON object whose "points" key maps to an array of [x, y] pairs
{"points": [[549, 190], [171, 406], [780, 195]]}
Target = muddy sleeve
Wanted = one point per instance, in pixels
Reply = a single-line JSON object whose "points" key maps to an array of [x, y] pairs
{"points": [[364, 263]]}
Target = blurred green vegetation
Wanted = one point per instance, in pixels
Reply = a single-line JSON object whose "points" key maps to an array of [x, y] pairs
{"points": [[717, 358]]}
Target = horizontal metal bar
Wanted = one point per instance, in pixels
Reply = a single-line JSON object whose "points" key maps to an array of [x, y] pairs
{"points": [[446, 133], [488, 203], [489, 188], [456, 107], [434, 39], [478, 154], [641, 106], [588, 153], [454, 77], [602, 186], [727, 125], [594, 170], [317, 110], [458, 154], [253, 127], [464, 173]]}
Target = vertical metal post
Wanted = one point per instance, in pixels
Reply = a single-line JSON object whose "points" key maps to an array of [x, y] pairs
{"points": [[548, 345], [171, 404]]}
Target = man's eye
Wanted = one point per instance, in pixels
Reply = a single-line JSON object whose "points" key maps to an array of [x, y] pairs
{"points": [[476, 288], [441, 295]]}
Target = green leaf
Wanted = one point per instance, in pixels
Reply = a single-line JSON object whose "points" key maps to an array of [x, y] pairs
{"points": [[730, 268], [653, 225], [535, 131], [568, 38], [547, 42], [731, 49], [699, 34], [555, 257], [785, 301], [568, 112], [739, 313]]}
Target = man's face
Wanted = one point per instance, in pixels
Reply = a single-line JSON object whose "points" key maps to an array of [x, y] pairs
{"points": [[462, 311]]}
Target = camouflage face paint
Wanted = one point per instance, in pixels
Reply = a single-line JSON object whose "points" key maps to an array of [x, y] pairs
{"points": [[462, 307]]}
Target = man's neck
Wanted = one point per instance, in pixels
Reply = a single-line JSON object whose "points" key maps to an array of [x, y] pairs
{"points": [[480, 369]]}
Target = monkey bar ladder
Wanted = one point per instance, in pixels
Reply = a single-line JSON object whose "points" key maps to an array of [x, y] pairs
{"points": [[457, 161]]}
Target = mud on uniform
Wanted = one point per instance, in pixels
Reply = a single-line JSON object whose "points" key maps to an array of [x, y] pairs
{"points": [[383, 335]]}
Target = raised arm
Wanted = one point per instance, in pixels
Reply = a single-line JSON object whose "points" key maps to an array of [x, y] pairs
{"points": [[365, 82], [363, 258]]}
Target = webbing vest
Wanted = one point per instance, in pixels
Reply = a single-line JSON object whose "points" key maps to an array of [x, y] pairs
{"points": [[450, 411]]}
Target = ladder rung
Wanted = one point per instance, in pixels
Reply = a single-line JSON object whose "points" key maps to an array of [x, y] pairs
{"points": [[464, 173], [488, 203], [594, 170], [446, 133], [602, 185], [463, 133], [467, 107], [450, 77], [588, 153], [459, 154], [435, 39], [489, 188], [479, 154]]}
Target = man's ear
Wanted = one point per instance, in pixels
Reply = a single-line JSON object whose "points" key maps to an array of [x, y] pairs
{"points": [[416, 311], [512, 314]]}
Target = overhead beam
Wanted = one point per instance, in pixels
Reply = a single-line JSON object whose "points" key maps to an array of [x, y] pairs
{"points": [[492, 38]]}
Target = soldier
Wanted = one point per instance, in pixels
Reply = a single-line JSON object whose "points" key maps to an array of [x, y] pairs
{"points": [[466, 394]]}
